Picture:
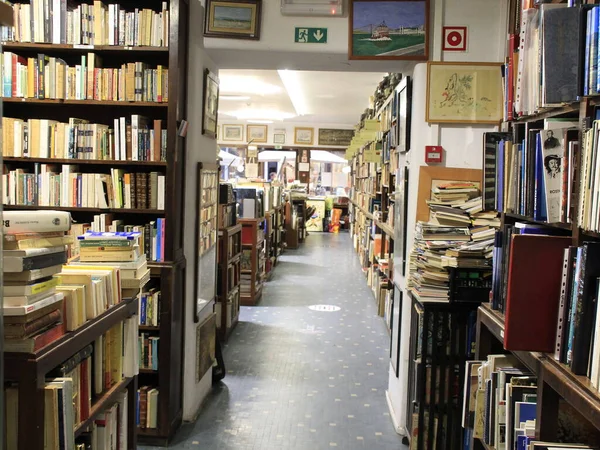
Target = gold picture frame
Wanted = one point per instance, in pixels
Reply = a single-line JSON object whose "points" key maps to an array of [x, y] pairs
{"points": [[237, 19], [304, 136], [461, 92], [233, 133], [257, 133]]}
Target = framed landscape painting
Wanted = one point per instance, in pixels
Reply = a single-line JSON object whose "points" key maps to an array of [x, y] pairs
{"points": [[239, 19], [464, 93], [303, 136], [234, 133], [256, 133], [211, 104], [389, 29]]}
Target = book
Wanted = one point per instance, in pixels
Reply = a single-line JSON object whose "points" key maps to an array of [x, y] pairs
{"points": [[35, 240], [533, 290], [22, 330], [40, 287], [34, 343], [35, 221], [30, 276], [45, 304], [28, 263]]}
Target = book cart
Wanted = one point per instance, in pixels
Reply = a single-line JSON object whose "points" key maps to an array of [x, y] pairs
{"points": [[169, 274]]}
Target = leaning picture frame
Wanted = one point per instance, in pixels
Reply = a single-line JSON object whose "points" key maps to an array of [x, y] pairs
{"points": [[404, 93], [211, 104], [233, 19], [460, 92]]}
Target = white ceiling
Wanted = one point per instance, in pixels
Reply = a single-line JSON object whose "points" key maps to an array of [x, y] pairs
{"points": [[326, 97]]}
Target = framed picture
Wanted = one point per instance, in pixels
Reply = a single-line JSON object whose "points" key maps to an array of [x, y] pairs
{"points": [[303, 136], [219, 135], [256, 133], [404, 110], [279, 138], [389, 29], [329, 136], [400, 220], [211, 104], [233, 133], [464, 93], [239, 19]]}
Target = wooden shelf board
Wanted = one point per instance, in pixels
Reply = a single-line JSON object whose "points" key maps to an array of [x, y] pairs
{"points": [[82, 48], [518, 217], [106, 162], [385, 228], [232, 229], [101, 404], [63, 348], [550, 112], [592, 234], [84, 102], [148, 328], [148, 371], [91, 210]]}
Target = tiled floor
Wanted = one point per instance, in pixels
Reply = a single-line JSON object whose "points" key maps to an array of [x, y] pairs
{"points": [[299, 378]]}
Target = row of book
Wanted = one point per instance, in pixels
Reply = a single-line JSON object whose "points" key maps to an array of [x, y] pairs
{"points": [[500, 409], [537, 272], [534, 177], [149, 348], [149, 308], [147, 404], [48, 77], [132, 138], [56, 22], [548, 62], [589, 200], [72, 388], [64, 186]]}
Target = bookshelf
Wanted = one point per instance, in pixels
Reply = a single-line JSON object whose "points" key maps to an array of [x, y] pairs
{"points": [[253, 261], [168, 274], [229, 277], [30, 369]]}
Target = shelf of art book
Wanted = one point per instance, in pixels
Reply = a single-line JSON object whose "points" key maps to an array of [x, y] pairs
{"points": [[92, 104]]}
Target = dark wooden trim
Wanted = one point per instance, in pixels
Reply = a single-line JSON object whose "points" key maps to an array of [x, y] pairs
{"points": [[92, 162], [84, 102]]}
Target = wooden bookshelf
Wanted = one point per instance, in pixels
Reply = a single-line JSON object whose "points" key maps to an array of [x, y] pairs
{"points": [[228, 290], [29, 371], [253, 248], [168, 276]]}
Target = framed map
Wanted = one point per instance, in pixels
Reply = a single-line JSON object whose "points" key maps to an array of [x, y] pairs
{"points": [[464, 93]]}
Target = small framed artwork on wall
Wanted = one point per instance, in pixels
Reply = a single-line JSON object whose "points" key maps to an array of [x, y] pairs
{"points": [[211, 104], [233, 133], [279, 138], [239, 19], [303, 136], [256, 133]]}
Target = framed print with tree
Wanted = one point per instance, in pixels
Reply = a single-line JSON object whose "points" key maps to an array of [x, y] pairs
{"points": [[211, 104], [234, 133], [464, 93], [239, 19], [404, 110], [303, 136], [389, 29], [279, 138], [256, 133]]}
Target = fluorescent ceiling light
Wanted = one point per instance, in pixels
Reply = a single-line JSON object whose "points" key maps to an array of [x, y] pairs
{"points": [[291, 81], [247, 85], [259, 114], [234, 97], [260, 121]]}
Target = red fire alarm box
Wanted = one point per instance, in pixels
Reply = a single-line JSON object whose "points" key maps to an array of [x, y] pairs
{"points": [[433, 154]]}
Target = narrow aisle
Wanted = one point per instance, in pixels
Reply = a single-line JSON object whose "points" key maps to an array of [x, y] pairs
{"points": [[299, 378]]}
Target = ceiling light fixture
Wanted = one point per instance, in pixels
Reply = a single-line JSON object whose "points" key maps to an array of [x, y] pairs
{"points": [[260, 114], [234, 97], [291, 81], [260, 121], [247, 85]]}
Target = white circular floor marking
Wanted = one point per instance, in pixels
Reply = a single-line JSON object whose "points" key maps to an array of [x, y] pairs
{"points": [[324, 308]]}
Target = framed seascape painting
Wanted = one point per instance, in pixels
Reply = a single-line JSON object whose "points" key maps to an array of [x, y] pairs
{"points": [[234, 133], [303, 136], [211, 104], [464, 93], [256, 133], [238, 19], [389, 29]]}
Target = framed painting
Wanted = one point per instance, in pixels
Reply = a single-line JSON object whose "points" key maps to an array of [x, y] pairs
{"points": [[464, 93], [211, 104], [303, 136], [389, 30], [279, 138], [404, 111], [256, 133], [239, 19], [328, 136], [234, 133]]}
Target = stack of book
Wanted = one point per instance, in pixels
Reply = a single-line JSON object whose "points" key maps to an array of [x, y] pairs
{"points": [[147, 416], [35, 247], [64, 186], [47, 77], [90, 24], [133, 138], [535, 177], [429, 279]]}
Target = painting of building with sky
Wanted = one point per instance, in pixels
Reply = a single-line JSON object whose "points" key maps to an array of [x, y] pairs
{"points": [[394, 28]]}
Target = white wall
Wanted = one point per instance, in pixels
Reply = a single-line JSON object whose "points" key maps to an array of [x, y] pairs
{"points": [[486, 21], [198, 149], [289, 133]]}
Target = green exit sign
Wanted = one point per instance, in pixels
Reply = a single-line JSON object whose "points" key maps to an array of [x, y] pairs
{"points": [[310, 35]]}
